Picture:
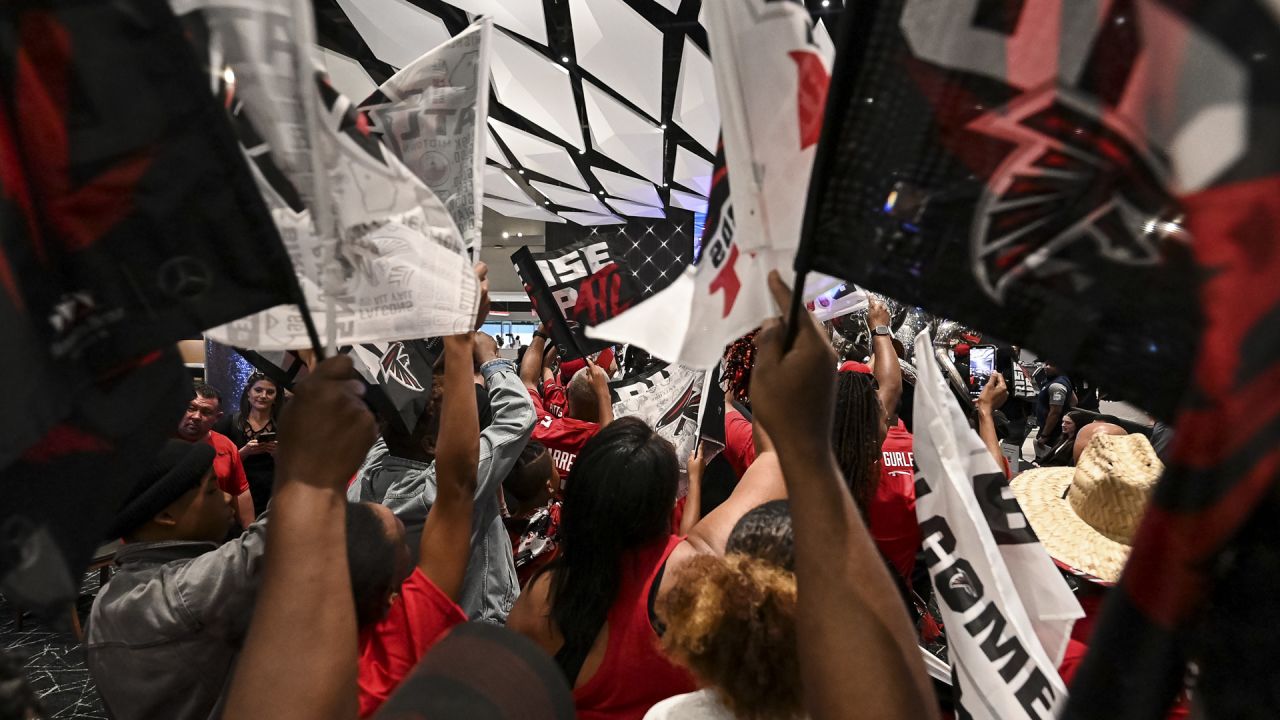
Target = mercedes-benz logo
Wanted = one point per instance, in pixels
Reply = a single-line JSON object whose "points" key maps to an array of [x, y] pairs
{"points": [[184, 277]]}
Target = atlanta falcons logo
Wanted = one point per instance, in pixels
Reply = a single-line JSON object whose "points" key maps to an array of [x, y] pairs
{"points": [[685, 406], [1079, 190], [395, 366]]}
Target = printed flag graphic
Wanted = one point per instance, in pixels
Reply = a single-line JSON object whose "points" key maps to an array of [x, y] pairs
{"points": [[681, 404], [1007, 610], [771, 81], [128, 221]]}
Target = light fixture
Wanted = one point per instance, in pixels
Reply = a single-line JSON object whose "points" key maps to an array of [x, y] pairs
{"points": [[826, 3], [520, 171], [564, 58], [664, 126], [583, 151], [506, 235], [229, 76], [519, 235]]}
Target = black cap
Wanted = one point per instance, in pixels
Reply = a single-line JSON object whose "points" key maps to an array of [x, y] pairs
{"points": [[175, 469], [482, 672]]}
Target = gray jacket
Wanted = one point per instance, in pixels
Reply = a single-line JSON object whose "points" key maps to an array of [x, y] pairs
{"points": [[408, 488], [164, 632]]}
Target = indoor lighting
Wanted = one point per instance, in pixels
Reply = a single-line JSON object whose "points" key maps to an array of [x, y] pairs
{"points": [[664, 126], [506, 235], [564, 58], [229, 76], [519, 234], [520, 171], [826, 3]]}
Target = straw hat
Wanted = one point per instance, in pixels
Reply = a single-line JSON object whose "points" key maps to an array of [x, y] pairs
{"points": [[1086, 516]]}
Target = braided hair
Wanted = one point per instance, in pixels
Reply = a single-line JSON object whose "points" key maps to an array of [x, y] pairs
{"points": [[856, 435]]}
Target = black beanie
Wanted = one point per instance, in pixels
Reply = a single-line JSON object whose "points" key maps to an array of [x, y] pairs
{"points": [[175, 469]]}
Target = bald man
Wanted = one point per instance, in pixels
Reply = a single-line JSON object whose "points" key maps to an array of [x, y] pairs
{"points": [[1088, 432]]}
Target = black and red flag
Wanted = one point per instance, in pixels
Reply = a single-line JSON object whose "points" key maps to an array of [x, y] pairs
{"points": [[596, 279], [128, 221], [1101, 183]]}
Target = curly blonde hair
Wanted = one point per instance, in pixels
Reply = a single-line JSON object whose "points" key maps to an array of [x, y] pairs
{"points": [[732, 621]]}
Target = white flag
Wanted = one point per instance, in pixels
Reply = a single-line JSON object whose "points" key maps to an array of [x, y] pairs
{"points": [[432, 115], [771, 82], [1007, 610], [670, 399]]}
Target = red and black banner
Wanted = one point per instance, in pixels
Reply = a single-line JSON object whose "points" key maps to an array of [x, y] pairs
{"points": [[128, 221]]}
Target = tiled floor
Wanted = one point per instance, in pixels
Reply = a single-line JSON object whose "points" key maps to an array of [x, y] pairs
{"points": [[54, 660]]}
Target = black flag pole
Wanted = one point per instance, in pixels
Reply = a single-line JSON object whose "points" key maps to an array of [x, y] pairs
{"points": [[850, 31]]}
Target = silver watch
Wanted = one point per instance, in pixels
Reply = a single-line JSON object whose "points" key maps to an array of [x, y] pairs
{"points": [[882, 330]]}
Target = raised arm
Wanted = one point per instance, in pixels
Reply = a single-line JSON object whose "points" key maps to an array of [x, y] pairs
{"points": [[888, 372], [858, 653], [513, 417], [693, 500], [531, 365], [600, 382], [993, 396], [299, 658], [446, 536]]}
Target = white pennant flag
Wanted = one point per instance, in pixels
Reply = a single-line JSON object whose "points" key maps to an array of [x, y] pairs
{"points": [[432, 115], [771, 82], [1007, 610]]}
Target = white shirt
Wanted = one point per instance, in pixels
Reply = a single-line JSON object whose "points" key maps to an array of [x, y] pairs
{"points": [[700, 705]]}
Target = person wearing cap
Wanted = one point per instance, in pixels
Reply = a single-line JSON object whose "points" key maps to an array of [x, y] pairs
{"points": [[196, 426]]}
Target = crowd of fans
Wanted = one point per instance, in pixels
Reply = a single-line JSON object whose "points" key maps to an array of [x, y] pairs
{"points": [[521, 552]]}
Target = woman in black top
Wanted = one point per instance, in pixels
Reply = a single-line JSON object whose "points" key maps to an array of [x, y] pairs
{"points": [[253, 430]]}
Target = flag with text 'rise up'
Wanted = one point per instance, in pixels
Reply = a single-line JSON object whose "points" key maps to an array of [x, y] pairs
{"points": [[1021, 167], [432, 115], [771, 82], [398, 267], [1007, 609], [591, 281], [128, 221]]}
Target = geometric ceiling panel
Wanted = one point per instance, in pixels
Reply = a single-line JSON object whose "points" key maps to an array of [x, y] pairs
{"points": [[543, 157], [696, 109], [627, 187], [621, 48], [522, 16], [493, 152], [569, 198], [823, 40], [535, 87], [523, 212], [632, 209], [623, 135], [692, 172], [346, 75], [397, 32], [688, 201], [586, 218], [499, 184], [672, 5]]}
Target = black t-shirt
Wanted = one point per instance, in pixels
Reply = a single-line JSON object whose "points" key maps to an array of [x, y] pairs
{"points": [[259, 469]]}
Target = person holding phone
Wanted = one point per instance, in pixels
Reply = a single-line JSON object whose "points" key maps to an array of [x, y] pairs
{"points": [[253, 430]]}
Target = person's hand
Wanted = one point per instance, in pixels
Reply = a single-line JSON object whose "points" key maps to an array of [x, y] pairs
{"points": [[486, 348], [326, 430], [251, 448], [877, 313], [793, 393], [482, 275], [271, 447], [697, 465], [994, 394], [599, 379]]}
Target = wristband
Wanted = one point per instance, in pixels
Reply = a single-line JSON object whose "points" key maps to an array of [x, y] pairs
{"points": [[544, 336]]}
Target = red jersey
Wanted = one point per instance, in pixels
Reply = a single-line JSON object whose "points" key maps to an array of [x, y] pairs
{"points": [[635, 673], [891, 513], [569, 368], [564, 437], [554, 398], [739, 443], [227, 467], [391, 648]]}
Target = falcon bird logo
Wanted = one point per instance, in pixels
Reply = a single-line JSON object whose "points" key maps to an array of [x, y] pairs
{"points": [[1079, 189], [395, 366]]}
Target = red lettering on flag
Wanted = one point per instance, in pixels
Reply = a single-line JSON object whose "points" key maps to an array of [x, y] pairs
{"points": [[727, 280], [812, 82]]}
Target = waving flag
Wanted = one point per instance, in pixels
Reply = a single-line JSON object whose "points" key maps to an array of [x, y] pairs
{"points": [[399, 268], [432, 115], [771, 81], [1007, 610], [128, 221], [683, 405]]}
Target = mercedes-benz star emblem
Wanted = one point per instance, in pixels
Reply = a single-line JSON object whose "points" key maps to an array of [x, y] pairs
{"points": [[184, 277]]}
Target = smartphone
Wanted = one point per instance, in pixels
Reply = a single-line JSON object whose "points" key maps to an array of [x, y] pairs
{"points": [[982, 362], [266, 437]]}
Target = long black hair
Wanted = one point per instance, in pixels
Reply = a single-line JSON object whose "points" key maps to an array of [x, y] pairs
{"points": [[856, 435], [619, 498], [254, 379]]}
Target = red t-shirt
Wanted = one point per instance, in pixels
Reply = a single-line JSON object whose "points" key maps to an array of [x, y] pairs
{"points": [[892, 510], [564, 437], [391, 648], [227, 467], [635, 673], [739, 443]]}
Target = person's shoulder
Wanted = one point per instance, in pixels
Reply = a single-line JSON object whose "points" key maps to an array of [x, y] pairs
{"points": [[220, 442], [699, 705]]}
